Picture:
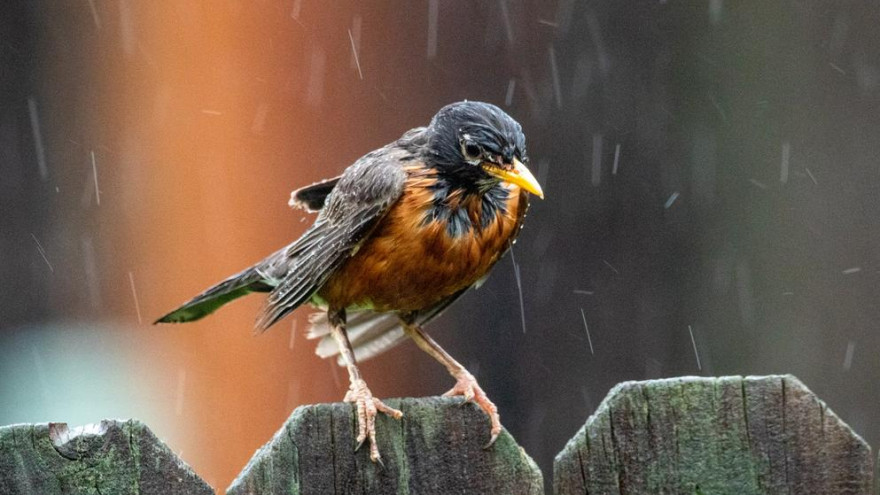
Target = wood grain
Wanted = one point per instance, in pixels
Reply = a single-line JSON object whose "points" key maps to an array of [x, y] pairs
{"points": [[436, 448], [729, 435], [112, 457]]}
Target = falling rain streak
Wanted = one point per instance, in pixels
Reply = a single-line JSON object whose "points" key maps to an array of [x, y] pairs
{"points": [[715, 11], [671, 200], [848, 357], [522, 306], [587, 329], [505, 15], [95, 175], [783, 168], [611, 267], [38, 139], [554, 72], [315, 86], [758, 184], [616, 159], [134, 294], [260, 118], [42, 253], [354, 35], [91, 272], [355, 54], [433, 14], [812, 178], [292, 334], [511, 86], [596, 174], [95, 14], [694, 344]]}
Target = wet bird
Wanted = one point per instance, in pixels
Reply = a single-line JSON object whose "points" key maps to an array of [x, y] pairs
{"points": [[399, 236]]}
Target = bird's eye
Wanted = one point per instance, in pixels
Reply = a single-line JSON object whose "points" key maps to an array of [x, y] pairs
{"points": [[472, 151]]}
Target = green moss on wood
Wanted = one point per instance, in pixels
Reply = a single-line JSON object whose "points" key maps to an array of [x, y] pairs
{"points": [[435, 448], [731, 435], [114, 457]]}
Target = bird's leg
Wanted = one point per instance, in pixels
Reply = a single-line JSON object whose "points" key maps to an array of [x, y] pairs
{"points": [[358, 392], [465, 384]]}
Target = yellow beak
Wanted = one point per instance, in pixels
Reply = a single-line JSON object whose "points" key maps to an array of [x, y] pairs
{"points": [[520, 176]]}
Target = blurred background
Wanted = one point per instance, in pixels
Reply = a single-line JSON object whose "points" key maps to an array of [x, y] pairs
{"points": [[711, 172]]}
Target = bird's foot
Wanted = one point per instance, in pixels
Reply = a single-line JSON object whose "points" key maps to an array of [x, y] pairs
{"points": [[467, 386], [367, 409]]}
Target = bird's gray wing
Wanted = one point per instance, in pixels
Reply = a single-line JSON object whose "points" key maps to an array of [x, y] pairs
{"points": [[361, 198], [312, 198]]}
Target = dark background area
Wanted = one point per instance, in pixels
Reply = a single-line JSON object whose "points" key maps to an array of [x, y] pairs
{"points": [[710, 168]]}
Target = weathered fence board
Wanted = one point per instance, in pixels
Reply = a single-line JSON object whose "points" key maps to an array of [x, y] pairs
{"points": [[113, 457], [435, 448], [732, 435], [694, 436]]}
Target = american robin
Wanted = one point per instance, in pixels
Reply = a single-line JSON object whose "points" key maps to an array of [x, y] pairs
{"points": [[399, 236]]}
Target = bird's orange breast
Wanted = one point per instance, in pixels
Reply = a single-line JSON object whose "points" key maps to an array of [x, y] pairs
{"points": [[409, 263]]}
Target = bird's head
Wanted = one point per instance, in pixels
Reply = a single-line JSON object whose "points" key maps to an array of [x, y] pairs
{"points": [[477, 145]]}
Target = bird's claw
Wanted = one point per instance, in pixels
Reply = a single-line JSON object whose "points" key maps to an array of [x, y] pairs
{"points": [[466, 385], [367, 408]]}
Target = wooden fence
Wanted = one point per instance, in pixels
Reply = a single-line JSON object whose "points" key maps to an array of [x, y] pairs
{"points": [[695, 436]]}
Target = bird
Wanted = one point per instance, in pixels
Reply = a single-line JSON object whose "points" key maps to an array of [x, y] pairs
{"points": [[403, 233]]}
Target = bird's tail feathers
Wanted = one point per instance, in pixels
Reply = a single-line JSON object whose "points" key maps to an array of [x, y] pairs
{"points": [[370, 334], [207, 302]]}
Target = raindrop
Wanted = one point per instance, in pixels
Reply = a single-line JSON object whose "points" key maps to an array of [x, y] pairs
{"points": [[91, 270], [315, 86], [847, 359], [610, 266], [297, 8], [694, 344], [260, 118], [760, 185], [596, 175], [587, 329], [95, 175], [292, 334], [433, 14], [137, 304], [715, 11], [812, 178], [522, 307], [38, 138], [354, 35], [95, 14], [511, 86], [42, 252], [505, 14], [554, 73], [616, 159], [783, 169], [126, 28], [837, 68]]}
